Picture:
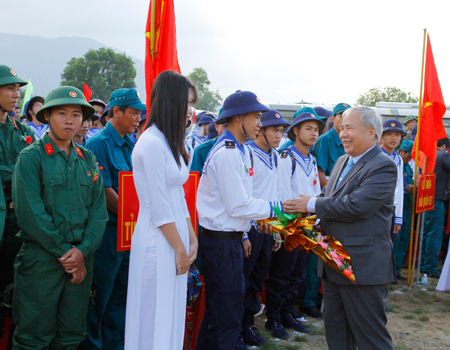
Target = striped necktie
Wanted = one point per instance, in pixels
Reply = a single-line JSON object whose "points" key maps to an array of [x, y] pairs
{"points": [[346, 170]]}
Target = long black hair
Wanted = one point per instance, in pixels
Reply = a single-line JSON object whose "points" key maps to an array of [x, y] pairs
{"points": [[169, 103]]}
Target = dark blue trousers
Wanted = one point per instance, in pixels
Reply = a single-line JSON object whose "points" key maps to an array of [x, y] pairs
{"points": [[287, 270], [110, 297], [223, 263], [310, 286], [256, 268]]}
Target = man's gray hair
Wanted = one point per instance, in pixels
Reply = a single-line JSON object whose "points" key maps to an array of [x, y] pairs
{"points": [[369, 118]]}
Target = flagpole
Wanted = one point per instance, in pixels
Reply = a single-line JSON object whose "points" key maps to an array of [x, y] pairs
{"points": [[153, 30], [409, 281]]}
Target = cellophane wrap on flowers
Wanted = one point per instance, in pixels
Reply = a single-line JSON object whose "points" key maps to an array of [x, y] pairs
{"points": [[304, 234]]}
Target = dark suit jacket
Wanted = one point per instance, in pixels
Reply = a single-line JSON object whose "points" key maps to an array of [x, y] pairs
{"points": [[358, 213]]}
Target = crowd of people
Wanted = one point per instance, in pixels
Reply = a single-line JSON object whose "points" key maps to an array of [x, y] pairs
{"points": [[71, 289]]}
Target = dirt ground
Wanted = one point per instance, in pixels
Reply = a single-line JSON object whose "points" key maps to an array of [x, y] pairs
{"points": [[418, 319]]}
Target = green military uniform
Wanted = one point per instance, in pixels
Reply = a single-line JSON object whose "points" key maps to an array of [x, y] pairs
{"points": [[60, 203], [13, 139]]}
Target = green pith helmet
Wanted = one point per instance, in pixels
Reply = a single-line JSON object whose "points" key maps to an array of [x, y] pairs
{"points": [[8, 76], [409, 118], [65, 95]]}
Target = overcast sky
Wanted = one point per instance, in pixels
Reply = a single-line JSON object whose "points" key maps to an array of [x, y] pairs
{"points": [[284, 51]]}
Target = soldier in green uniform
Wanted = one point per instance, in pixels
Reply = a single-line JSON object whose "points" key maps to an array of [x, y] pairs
{"points": [[14, 137], [60, 203]]}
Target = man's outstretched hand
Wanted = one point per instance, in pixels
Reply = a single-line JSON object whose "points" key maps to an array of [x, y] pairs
{"points": [[295, 206]]}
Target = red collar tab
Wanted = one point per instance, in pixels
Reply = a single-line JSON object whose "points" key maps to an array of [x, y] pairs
{"points": [[79, 152], [49, 148]]}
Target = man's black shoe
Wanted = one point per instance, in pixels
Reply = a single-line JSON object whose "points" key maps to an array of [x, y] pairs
{"points": [[401, 277], [251, 336], [437, 274], [240, 344], [289, 321], [313, 311], [276, 329]]}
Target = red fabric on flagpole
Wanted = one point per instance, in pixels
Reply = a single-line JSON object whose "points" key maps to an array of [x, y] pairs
{"points": [[87, 92], [165, 50], [433, 109]]}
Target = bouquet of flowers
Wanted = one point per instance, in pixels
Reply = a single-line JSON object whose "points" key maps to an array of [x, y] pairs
{"points": [[305, 234]]}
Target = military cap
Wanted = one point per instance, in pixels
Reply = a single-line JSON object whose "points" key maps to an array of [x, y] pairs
{"points": [[301, 118], [31, 103], [273, 117], [305, 110], [340, 107], [126, 97], [8, 76], [407, 146], [65, 95], [105, 113], [97, 101], [204, 119], [393, 125], [240, 102], [409, 118], [212, 132], [323, 113], [413, 133]]}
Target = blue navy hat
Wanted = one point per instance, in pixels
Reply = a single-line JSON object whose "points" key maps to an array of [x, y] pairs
{"points": [[322, 112], [413, 133], [301, 118], [407, 146], [240, 102], [340, 107], [212, 132], [205, 119], [12, 114], [94, 117], [272, 117], [126, 97], [31, 104], [393, 125], [105, 113], [97, 101]]}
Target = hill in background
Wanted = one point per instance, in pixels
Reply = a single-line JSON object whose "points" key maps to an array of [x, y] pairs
{"points": [[43, 60]]}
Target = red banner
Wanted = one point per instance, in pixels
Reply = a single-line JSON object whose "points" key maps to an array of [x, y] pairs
{"points": [[425, 193], [129, 206]]}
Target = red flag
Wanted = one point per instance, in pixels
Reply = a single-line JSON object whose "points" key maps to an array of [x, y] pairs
{"points": [[433, 109], [161, 43], [87, 92], [194, 118]]}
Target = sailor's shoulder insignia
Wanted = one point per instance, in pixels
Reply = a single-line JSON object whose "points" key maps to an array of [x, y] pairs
{"points": [[284, 154], [230, 144]]}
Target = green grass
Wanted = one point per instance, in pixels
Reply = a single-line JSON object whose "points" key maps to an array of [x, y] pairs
{"points": [[392, 287], [317, 330], [409, 317], [393, 307], [292, 347], [399, 347], [420, 311], [301, 338], [424, 318]]}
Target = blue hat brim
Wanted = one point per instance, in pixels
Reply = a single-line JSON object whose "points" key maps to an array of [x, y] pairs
{"points": [[257, 107], [401, 131], [277, 122], [291, 134]]}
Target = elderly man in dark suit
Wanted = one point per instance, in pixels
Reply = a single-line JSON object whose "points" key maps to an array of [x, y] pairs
{"points": [[356, 208]]}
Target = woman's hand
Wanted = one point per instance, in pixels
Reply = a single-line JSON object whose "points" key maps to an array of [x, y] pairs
{"points": [[247, 248], [193, 248], [182, 261]]}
